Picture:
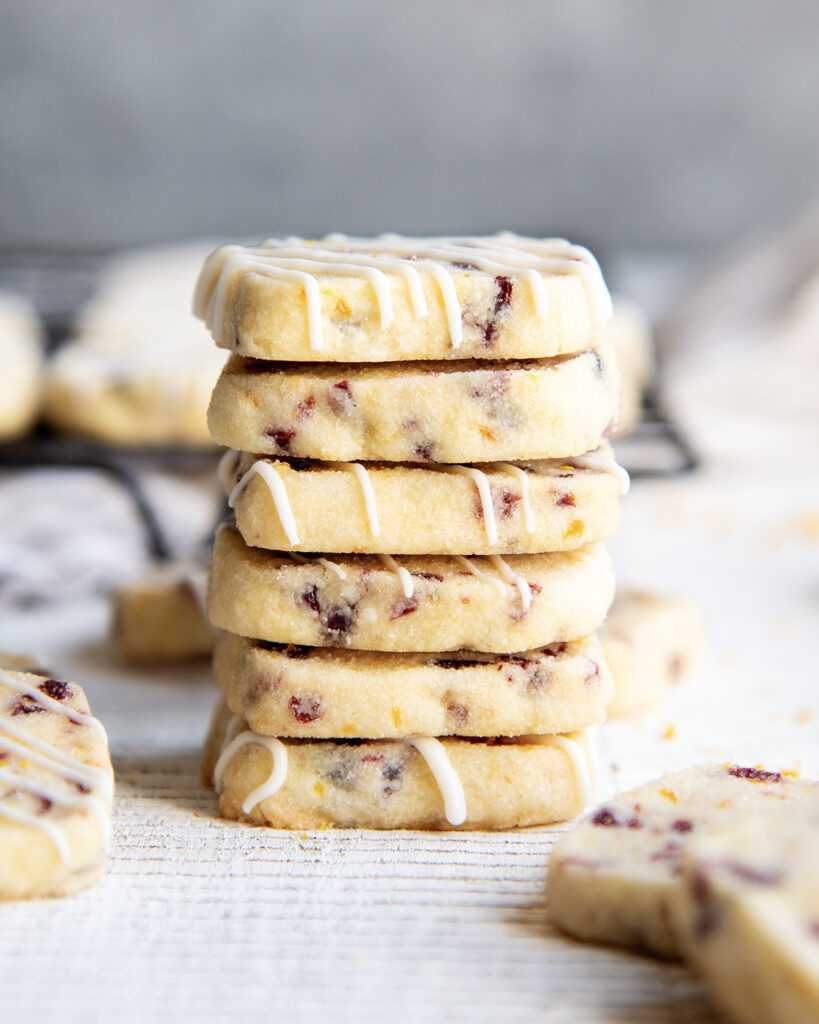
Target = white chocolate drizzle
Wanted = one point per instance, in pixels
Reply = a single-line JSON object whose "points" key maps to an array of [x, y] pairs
{"points": [[579, 756], [407, 583], [278, 492], [326, 562], [34, 750], [604, 463], [471, 567], [446, 777], [294, 259], [481, 481], [364, 482], [515, 580], [516, 471], [277, 776]]}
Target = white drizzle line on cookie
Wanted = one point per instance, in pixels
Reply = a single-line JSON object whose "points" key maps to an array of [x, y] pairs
{"points": [[516, 471], [294, 259], [342, 575], [77, 717], [471, 567], [579, 757], [364, 482], [452, 790], [515, 580], [604, 463], [278, 492], [481, 481], [275, 780], [403, 574]]}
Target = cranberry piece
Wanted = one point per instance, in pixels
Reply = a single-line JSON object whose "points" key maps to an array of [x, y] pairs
{"points": [[508, 502], [305, 709], [754, 774], [45, 805], [340, 398], [423, 451], [565, 500], [27, 706], [682, 825], [338, 621], [459, 713], [605, 816], [503, 296], [429, 576], [281, 438], [56, 689], [306, 407], [310, 597], [405, 606]]}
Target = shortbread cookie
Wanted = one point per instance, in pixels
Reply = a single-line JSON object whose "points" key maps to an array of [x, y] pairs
{"points": [[379, 300], [415, 604], [616, 877], [418, 412], [56, 787], [494, 508], [318, 693], [629, 334], [751, 919], [420, 782], [21, 365], [162, 617], [140, 368], [650, 642]]}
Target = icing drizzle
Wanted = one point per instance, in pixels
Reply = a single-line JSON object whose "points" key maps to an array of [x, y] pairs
{"points": [[511, 577], [516, 471], [450, 785], [34, 750], [578, 750], [407, 582], [481, 481], [604, 463], [277, 749], [294, 259], [278, 492], [363, 477], [332, 566]]}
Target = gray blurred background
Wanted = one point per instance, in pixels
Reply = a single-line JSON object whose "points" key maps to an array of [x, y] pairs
{"points": [[624, 124]]}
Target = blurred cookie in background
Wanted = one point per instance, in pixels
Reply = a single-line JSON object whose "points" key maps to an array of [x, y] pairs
{"points": [[651, 641], [629, 333], [139, 368], [21, 365]]}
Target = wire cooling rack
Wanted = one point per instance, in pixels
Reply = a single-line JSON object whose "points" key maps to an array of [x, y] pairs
{"points": [[59, 283]]}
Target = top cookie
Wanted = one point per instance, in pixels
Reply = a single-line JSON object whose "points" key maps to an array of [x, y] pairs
{"points": [[392, 298]]}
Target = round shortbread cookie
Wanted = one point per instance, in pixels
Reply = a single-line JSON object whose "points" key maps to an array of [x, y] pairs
{"points": [[162, 617], [418, 412], [139, 369], [750, 919], [21, 365], [56, 788], [318, 693], [415, 783], [380, 300], [494, 508], [650, 642], [616, 877], [434, 603]]}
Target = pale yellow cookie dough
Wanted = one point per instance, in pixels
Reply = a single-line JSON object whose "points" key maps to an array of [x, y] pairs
{"points": [[318, 693], [651, 642], [629, 333], [21, 365], [418, 412], [422, 510], [267, 317], [387, 784], [56, 787], [750, 918], [162, 616], [271, 596], [616, 877]]}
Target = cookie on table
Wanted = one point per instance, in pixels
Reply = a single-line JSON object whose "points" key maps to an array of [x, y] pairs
{"points": [[490, 508], [21, 365], [427, 603], [419, 782], [140, 368], [56, 788], [418, 412], [750, 920], [616, 877], [162, 617], [354, 300], [651, 642], [282, 690], [629, 334]]}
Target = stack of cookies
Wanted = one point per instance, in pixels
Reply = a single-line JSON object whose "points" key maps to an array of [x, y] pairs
{"points": [[420, 480]]}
